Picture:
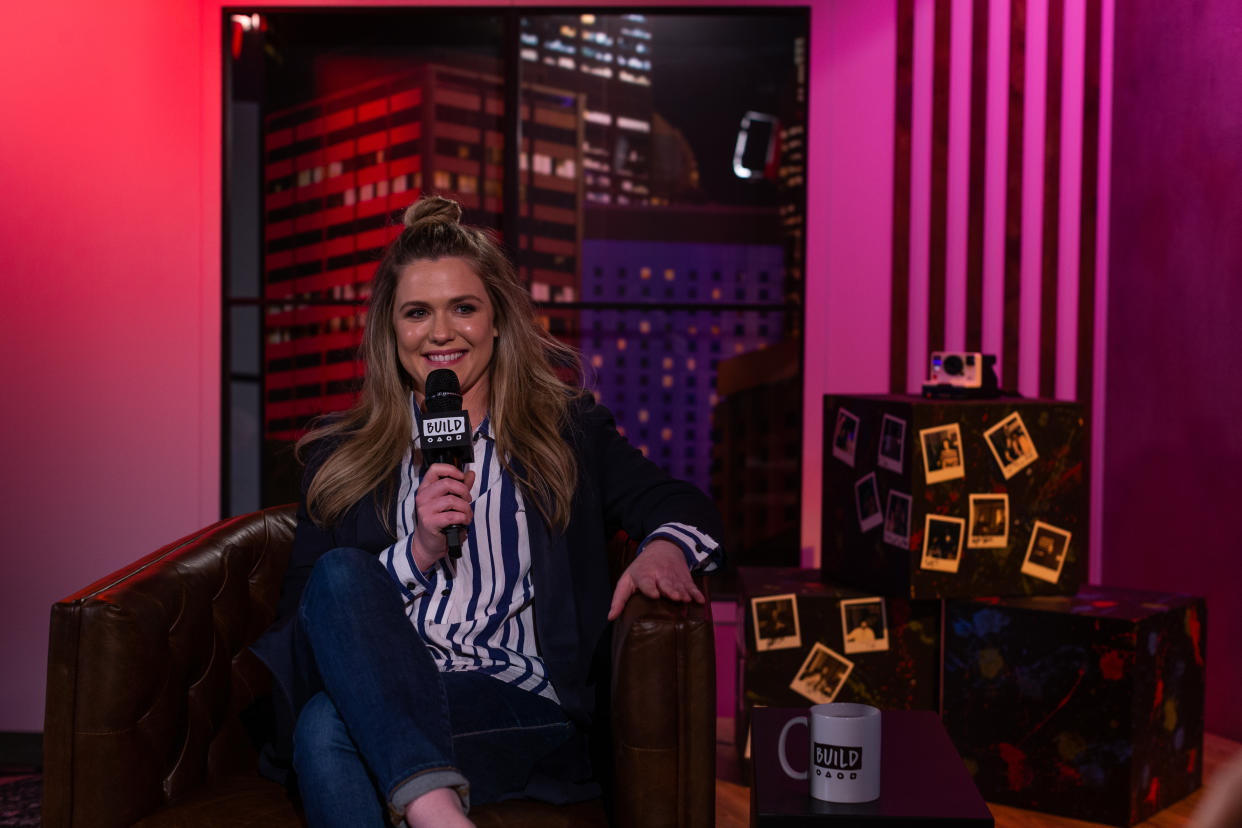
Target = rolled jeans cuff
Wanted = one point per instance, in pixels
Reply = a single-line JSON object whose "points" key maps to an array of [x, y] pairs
{"points": [[423, 782]]}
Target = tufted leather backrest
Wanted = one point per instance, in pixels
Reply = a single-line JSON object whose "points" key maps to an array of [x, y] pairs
{"points": [[148, 671]]}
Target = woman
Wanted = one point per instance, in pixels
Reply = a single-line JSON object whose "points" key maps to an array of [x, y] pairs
{"points": [[415, 684]]}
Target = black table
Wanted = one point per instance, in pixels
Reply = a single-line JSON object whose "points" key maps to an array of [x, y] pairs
{"points": [[922, 779]]}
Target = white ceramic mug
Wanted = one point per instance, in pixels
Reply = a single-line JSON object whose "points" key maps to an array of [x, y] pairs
{"points": [[845, 752]]}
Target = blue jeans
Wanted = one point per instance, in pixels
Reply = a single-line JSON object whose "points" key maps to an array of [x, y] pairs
{"points": [[388, 726]]}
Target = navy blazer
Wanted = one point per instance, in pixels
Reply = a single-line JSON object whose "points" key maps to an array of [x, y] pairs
{"points": [[618, 488]]}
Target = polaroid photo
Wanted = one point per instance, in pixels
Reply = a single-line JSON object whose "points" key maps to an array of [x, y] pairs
{"points": [[864, 625], [892, 443], [989, 521], [942, 543], [897, 519], [942, 453], [845, 437], [776, 622], [867, 503], [1011, 445], [822, 674], [1045, 554]]}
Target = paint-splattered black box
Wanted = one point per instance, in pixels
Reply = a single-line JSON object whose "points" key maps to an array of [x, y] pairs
{"points": [[955, 498], [1088, 706], [788, 617]]}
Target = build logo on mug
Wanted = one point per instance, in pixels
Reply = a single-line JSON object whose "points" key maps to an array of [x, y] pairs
{"points": [[838, 761]]}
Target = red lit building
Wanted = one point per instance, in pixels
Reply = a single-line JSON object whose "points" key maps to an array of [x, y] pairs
{"points": [[338, 173]]}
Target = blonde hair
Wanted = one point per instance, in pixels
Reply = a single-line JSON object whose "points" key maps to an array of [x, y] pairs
{"points": [[529, 405]]}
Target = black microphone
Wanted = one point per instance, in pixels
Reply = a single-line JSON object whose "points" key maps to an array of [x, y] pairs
{"points": [[446, 435]]}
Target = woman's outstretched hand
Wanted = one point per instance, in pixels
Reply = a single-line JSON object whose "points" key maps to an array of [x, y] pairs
{"points": [[443, 499], [659, 570]]}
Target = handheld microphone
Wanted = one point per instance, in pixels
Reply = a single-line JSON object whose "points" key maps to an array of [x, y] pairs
{"points": [[446, 435]]}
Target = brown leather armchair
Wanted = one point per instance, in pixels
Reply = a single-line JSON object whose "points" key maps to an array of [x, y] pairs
{"points": [[150, 679]]}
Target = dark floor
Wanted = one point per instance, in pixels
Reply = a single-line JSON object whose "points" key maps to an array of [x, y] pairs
{"points": [[20, 800]]}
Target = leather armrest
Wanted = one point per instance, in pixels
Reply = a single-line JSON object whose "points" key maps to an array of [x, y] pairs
{"points": [[148, 669], [664, 713]]}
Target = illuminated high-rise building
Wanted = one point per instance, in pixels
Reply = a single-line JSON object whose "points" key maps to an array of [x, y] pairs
{"points": [[339, 171], [681, 289], [608, 58]]}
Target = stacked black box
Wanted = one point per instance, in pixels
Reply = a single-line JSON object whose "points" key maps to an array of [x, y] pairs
{"points": [[1080, 700], [1088, 706], [939, 498], [803, 642]]}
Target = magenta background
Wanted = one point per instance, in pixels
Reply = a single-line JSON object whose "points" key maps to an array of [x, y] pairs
{"points": [[1172, 490], [110, 255]]}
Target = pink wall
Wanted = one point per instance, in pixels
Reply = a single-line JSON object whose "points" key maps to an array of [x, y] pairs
{"points": [[110, 427], [1171, 483]]}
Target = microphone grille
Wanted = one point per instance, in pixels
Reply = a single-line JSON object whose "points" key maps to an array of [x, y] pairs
{"points": [[443, 391]]}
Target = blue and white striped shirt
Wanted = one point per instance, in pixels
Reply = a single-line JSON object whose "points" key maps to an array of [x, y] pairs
{"points": [[481, 616]]}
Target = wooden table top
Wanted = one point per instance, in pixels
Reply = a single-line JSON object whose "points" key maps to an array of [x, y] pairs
{"points": [[733, 799]]}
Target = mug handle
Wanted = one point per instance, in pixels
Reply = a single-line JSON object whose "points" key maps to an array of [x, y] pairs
{"points": [[780, 748]]}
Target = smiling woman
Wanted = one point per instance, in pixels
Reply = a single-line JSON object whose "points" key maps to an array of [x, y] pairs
{"points": [[416, 682]]}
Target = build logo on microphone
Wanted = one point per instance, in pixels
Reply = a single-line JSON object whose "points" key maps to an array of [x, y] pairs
{"points": [[837, 760], [438, 430]]}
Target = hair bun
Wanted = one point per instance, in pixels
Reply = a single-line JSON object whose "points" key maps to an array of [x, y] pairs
{"points": [[432, 209]]}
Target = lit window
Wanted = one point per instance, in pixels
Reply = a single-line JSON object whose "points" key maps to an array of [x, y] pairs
{"points": [[667, 380], [645, 273], [467, 184], [668, 363], [398, 184], [540, 291], [621, 344], [633, 124], [381, 187], [666, 434], [335, 169], [543, 164], [565, 62], [351, 197], [441, 180], [644, 327], [597, 360], [644, 415]]}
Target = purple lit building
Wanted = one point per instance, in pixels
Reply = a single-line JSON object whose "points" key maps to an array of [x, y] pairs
{"points": [[714, 280]]}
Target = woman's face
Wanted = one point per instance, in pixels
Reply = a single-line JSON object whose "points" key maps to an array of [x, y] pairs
{"points": [[442, 318]]}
